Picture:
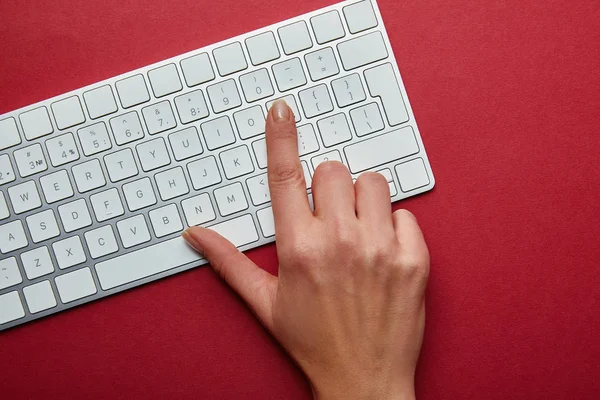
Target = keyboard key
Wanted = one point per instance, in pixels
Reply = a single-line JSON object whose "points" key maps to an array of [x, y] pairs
{"points": [[204, 173], [68, 112], [139, 194], [166, 220], [321, 158], [291, 102], [239, 231], [9, 273], [36, 123], [4, 212], [382, 83], [7, 174], [334, 130], [197, 69], [307, 175], [107, 205], [224, 96], [75, 215], [121, 165], [412, 175], [101, 242], [360, 16], [153, 154], [69, 252], [88, 176], [321, 64], [24, 197], [9, 133], [100, 102], [262, 48], [316, 101], [266, 221], [186, 143], [198, 210], [12, 237], [363, 50], [39, 297], [62, 149], [260, 152], [133, 231], [164, 80], [327, 27], [218, 133], [258, 187], [231, 199], [236, 162], [295, 37], [30, 160], [230, 59], [257, 85], [307, 140], [37, 263], [348, 90], [289, 74], [132, 91], [159, 117], [75, 285], [56, 186], [94, 139], [250, 122], [367, 119], [127, 128], [11, 308], [43, 226], [171, 184], [191, 107], [381, 149]]}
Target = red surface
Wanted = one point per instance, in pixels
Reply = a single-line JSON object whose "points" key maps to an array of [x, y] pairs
{"points": [[506, 94]]}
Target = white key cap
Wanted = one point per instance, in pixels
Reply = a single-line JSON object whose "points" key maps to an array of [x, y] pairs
{"points": [[62, 149], [132, 91], [159, 117], [295, 37], [262, 48], [107, 205], [75, 285], [171, 184], [56, 186], [231, 199], [224, 96], [321, 158], [327, 27], [100, 102], [68, 112], [94, 139], [153, 154], [4, 212], [12, 237], [197, 69], [198, 210], [39, 297], [164, 80], [307, 175], [321, 64], [218, 133], [307, 140], [75, 215], [348, 90], [30, 160], [9, 273], [24, 197], [412, 175], [334, 130], [367, 119], [191, 106], [88, 176], [133, 231], [289, 74], [204, 173], [101, 242], [43, 226], [127, 128], [168, 255], [186, 143], [257, 85], [382, 82], [7, 174], [165, 220], [37, 263], [69, 252], [259, 189], [121, 165], [236, 162], [260, 152], [250, 122], [360, 16], [363, 50], [139, 194], [381, 149], [36, 123], [9, 133], [291, 102], [10, 307], [230, 59], [266, 221], [316, 101]]}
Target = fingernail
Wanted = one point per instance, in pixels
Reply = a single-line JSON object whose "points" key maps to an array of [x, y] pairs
{"points": [[281, 111], [191, 240]]}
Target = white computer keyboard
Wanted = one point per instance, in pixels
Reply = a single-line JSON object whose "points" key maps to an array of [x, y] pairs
{"points": [[97, 185]]}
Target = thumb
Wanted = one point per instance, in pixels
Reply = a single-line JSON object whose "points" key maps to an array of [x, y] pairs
{"points": [[256, 286]]}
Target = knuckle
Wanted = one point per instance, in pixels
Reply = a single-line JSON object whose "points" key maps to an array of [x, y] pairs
{"points": [[415, 268], [286, 174], [372, 179]]}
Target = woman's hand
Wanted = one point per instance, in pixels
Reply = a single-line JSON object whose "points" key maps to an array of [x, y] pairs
{"points": [[348, 305]]}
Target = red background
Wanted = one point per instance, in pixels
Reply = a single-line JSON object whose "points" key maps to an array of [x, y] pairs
{"points": [[506, 94]]}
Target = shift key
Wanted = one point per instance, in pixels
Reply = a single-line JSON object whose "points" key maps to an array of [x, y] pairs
{"points": [[382, 83]]}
